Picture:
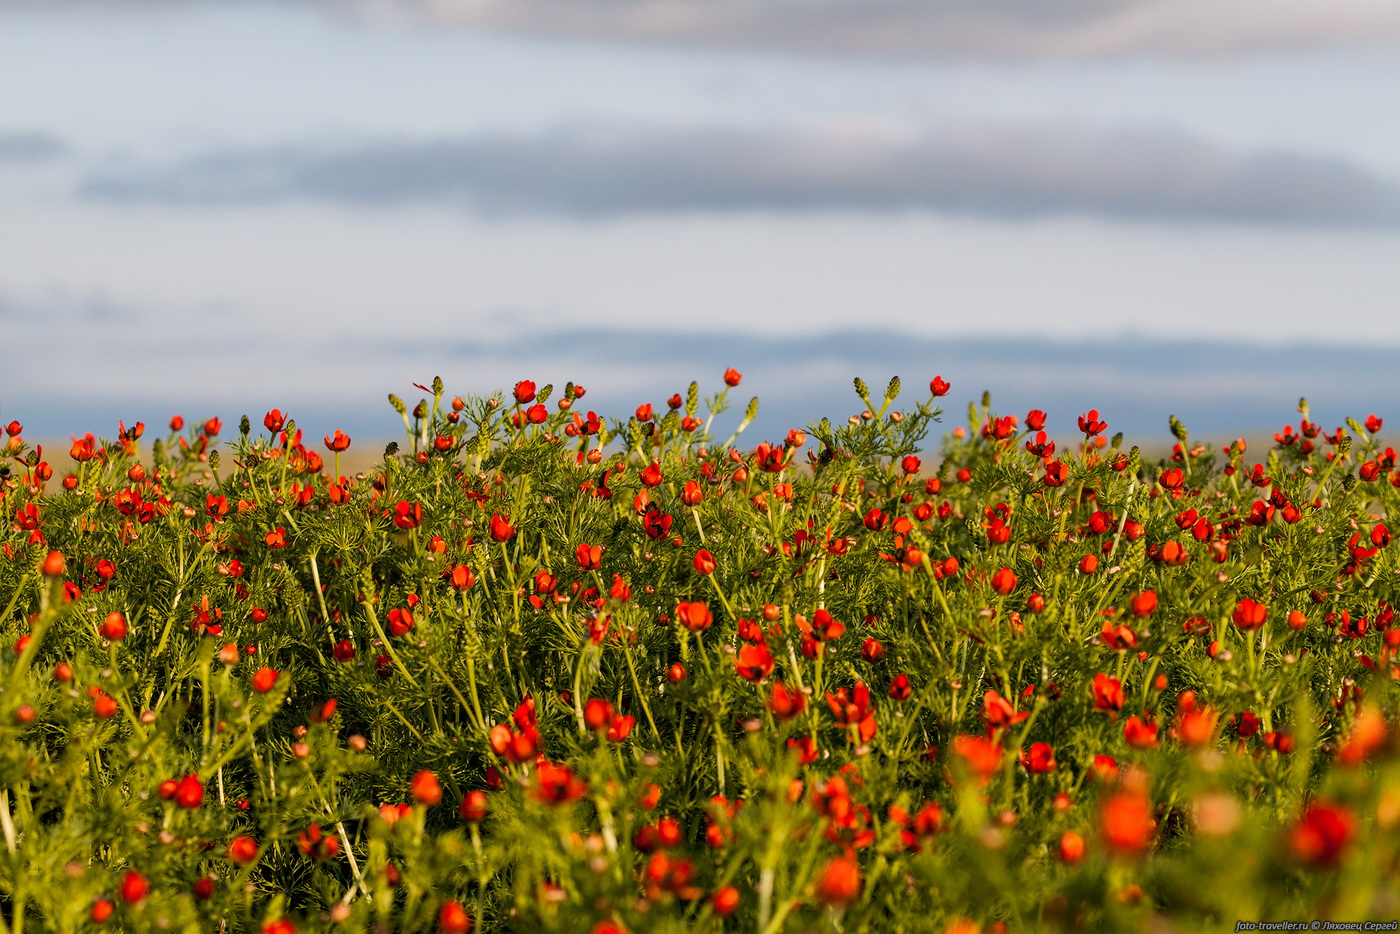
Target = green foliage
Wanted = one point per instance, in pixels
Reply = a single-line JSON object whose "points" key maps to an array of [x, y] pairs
{"points": [[692, 687]]}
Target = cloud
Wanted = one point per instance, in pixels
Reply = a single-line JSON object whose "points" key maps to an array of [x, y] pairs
{"points": [[1057, 29], [29, 147], [1217, 388], [1015, 29], [979, 170]]}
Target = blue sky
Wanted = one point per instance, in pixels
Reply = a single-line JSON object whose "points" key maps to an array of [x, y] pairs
{"points": [[221, 207]]}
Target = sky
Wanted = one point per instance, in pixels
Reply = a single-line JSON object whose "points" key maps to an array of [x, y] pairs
{"points": [[1151, 208]]}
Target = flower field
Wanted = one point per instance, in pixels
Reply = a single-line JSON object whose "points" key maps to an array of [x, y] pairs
{"points": [[545, 670]]}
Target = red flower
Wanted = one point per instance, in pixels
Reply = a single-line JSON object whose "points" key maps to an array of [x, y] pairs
{"points": [[900, 688], [1196, 727], [998, 713], [277, 538], [1108, 693], [340, 442], [474, 807], [501, 530], [1322, 834], [651, 475], [1140, 733], [460, 577], [938, 387], [1056, 473], [453, 919], [852, 710], [557, 785], [113, 628], [1040, 758], [189, 793], [243, 850], [1004, 581], [981, 754], [725, 901], [754, 662], [1144, 603], [732, 377], [589, 557], [1090, 424], [1071, 849], [1035, 420], [1249, 614], [694, 616], [264, 679], [425, 788], [704, 562], [785, 703], [407, 515], [316, 845], [344, 651], [401, 621], [525, 392], [597, 713], [134, 887], [839, 883], [1172, 478], [274, 421], [1125, 821]]}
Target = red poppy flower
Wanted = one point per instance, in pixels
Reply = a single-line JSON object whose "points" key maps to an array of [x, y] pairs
{"points": [[998, 713], [1004, 581], [425, 788], [556, 785], [501, 530], [981, 755], [474, 807], [1125, 821], [453, 919], [1322, 834], [407, 515], [1144, 603], [589, 557], [1090, 424], [113, 628], [1249, 614], [785, 703], [754, 662], [264, 679], [939, 387], [1040, 758], [694, 616], [189, 792], [134, 887], [1108, 693], [839, 883], [340, 442], [243, 850], [524, 392], [704, 562], [1140, 733], [732, 377]]}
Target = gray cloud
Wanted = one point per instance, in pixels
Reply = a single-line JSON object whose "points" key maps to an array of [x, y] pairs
{"points": [[1015, 28], [1013, 172], [29, 147], [1043, 29], [1218, 388]]}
